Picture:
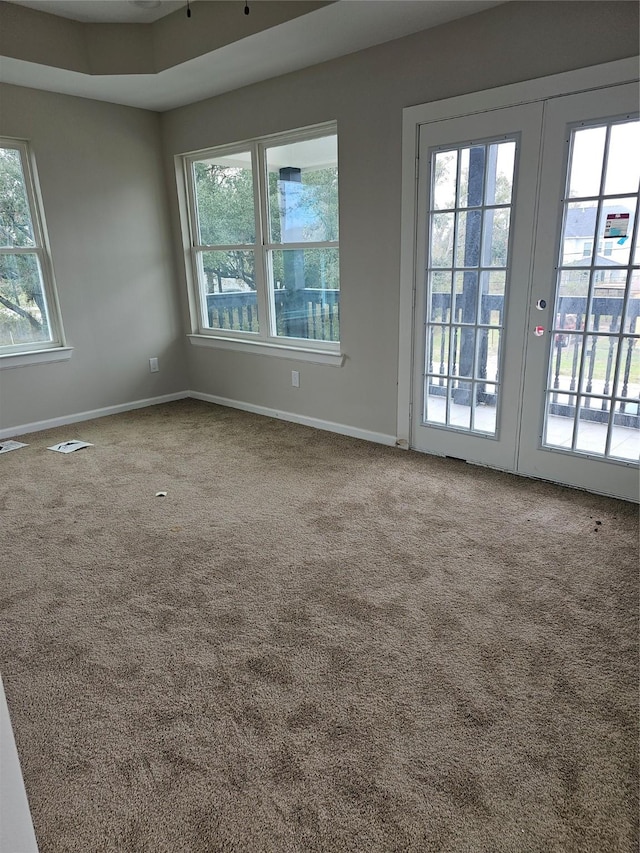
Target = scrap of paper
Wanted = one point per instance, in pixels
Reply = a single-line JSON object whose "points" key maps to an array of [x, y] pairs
{"points": [[617, 225], [70, 446], [6, 446]]}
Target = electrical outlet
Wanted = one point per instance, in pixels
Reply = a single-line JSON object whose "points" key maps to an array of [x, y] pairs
{"points": [[295, 378], [153, 365]]}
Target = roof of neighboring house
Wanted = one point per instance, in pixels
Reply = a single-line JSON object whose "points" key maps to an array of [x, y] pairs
{"points": [[599, 261]]}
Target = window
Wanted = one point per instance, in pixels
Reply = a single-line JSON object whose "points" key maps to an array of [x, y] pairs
{"points": [[28, 310], [263, 228], [594, 371], [467, 273]]}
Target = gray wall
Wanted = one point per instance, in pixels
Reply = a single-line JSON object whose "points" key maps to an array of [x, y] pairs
{"points": [[105, 204], [366, 93], [121, 291]]}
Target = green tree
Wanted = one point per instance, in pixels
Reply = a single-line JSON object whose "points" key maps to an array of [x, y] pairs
{"points": [[442, 224], [22, 307], [225, 205], [225, 216]]}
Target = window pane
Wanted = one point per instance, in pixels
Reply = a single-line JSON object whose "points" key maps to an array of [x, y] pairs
{"points": [[440, 296], [559, 420], [303, 191], [468, 239], [579, 229], [227, 282], [465, 297], [500, 178], [573, 289], [565, 361], [625, 435], [460, 405], [608, 301], [497, 284], [484, 415], [616, 227], [592, 434], [623, 164], [23, 309], [442, 225], [496, 237], [444, 180], [305, 293], [16, 229], [435, 400], [629, 373], [488, 355], [224, 200], [599, 363], [632, 318], [492, 298], [471, 186], [437, 352], [462, 351], [586, 162]]}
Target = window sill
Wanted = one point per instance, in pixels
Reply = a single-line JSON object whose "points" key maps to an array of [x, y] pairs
{"points": [[297, 353], [43, 356]]}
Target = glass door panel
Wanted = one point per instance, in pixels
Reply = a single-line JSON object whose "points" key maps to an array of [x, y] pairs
{"points": [[475, 183], [476, 212], [588, 427]]}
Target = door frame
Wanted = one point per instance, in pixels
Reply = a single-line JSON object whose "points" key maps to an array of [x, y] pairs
{"points": [[567, 83]]}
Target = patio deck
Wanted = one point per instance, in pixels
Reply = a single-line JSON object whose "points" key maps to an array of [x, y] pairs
{"points": [[592, 435]]}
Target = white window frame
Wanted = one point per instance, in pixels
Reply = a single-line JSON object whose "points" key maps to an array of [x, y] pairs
{"points": [[55, 349], [262, 342]]}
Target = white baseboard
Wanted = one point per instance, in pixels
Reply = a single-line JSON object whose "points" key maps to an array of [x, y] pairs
{"points": [[38, 426], [317, 423]]}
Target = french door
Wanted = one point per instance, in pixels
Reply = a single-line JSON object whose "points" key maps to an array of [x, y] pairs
{"points": [[526, 354], [580, 414]]}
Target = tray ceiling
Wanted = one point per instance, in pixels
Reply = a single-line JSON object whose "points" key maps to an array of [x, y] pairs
{"points": [[301, 35]]}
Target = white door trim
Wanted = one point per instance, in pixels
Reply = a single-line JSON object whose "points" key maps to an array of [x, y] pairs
{"points": [[544, 88]]}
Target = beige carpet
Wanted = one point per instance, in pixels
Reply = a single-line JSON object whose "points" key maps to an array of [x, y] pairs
{"points": [[312, 643]]}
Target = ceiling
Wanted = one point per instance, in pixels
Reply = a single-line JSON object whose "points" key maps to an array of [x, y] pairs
{"points": [[106, 11], [335, 29]]}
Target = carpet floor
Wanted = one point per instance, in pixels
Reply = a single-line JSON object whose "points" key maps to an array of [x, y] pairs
{"points": [[312, 644]]}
